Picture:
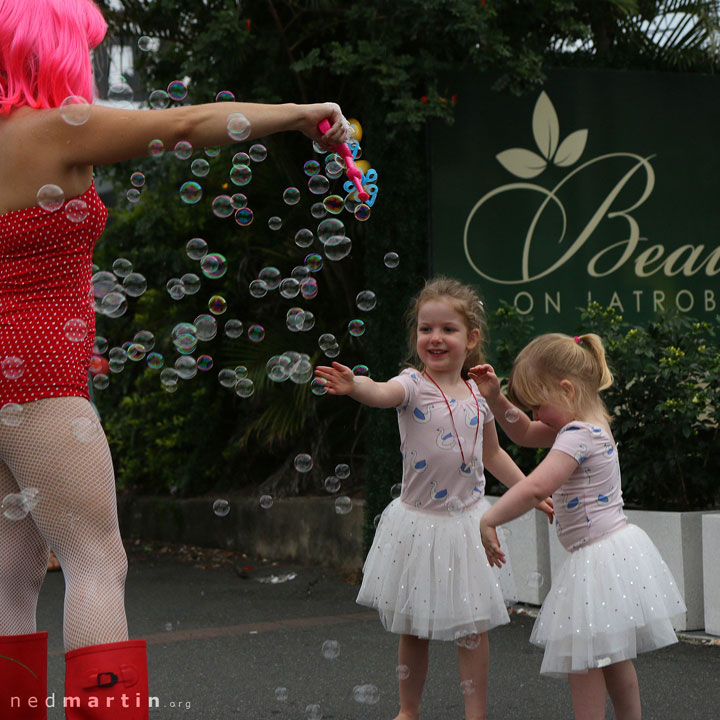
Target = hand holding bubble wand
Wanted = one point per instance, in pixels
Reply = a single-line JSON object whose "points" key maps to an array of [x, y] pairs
{"points": [[344, 151]]}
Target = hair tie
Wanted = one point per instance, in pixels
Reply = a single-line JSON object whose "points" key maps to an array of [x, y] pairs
{"points": [[578, 340]]}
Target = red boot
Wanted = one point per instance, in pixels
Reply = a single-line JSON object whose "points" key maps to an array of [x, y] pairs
{"points": [[23, 676], [107, 682]]}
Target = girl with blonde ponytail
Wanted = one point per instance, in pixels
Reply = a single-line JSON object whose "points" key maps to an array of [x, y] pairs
{"points": [[614, 596]]}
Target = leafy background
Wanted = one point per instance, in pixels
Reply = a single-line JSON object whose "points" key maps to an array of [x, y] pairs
{"points": [[390, 65]]}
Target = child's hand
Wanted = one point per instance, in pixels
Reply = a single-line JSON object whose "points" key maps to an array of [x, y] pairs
{"points": [[548, 508], [491, 544], [339, 378], [486, 380]]}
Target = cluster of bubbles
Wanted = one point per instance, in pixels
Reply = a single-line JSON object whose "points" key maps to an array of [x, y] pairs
{"points": [[303, 463]]}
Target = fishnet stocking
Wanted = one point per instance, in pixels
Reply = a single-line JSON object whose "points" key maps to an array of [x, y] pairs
{"points": [[57, 446]]}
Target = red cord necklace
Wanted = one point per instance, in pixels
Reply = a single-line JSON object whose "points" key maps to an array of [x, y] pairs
{"points": [[452, 420]]}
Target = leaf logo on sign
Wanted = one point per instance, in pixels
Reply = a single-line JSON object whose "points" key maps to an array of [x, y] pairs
{"points": [[546, 130]]}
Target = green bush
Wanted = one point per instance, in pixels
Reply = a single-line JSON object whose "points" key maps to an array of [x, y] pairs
{"points": [[666, 407]]}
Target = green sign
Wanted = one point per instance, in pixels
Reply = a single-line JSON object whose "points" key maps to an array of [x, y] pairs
{"points": [[601, 186]]}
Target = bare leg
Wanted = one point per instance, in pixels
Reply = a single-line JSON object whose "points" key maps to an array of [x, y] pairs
{"points": [[474, 665], [588, 694], [622, 684], [413, 654]]}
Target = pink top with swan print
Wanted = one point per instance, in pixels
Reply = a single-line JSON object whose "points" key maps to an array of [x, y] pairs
{"points": [[590, 503], [435, 478]]}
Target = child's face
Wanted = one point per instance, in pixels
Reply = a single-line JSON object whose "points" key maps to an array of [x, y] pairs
{"points": [[443, 339], [557, 413]]}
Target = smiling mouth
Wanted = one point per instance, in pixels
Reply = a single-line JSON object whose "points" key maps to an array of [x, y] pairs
{"points": [[437, 352]]}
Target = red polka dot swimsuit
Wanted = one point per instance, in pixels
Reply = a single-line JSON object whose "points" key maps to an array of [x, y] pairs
{"points": [[47, 314]]}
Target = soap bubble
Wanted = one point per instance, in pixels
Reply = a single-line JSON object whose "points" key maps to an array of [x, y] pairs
{"points": [[244, 387], [343, 505], [512, 415], [75, 110], [177, 90], [199, 167], [342, 470], [334, 204], [134, 284], [311, 167], [330, 649], [257, 152], [365, 300], [156, 148], [318, 185], [391, 260], [332, 483], [191, 282], [318, 386], [362, 212], [50, 197], [258, 288], [291, 196], [303, 462], [535, 580], [240, 175], [275, 223], [190, 192], [337, 248], [222, 206], [76, 210], [238, 127], [196, 248], [304, 238], [356, 327], [213, 266], [221, 508], [183, 150], [402, 672], [266, 502], [217, 305], [75, 330], [244, 217], [256, 333], [233, 328], [225, 96], [158, 100]]}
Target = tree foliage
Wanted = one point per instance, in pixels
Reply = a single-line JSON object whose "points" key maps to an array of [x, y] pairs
{"points": [[392, 65]]}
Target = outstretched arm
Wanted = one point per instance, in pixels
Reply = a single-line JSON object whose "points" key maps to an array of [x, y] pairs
{"points": [[514, 422], [502, 466], [547, 477], [114, 134], [340, 380]]}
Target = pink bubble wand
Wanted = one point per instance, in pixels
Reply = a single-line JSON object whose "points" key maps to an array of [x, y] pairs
{"points": [[354, 175]]}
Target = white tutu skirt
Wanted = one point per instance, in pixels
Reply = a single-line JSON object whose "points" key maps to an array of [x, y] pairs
{"points": [[427, 574], [612, 599]]}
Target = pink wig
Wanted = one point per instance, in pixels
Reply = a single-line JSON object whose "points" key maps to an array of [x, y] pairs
{"points": [[45, 51]]}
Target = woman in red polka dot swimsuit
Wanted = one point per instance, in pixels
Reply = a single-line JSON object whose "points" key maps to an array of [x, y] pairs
{"points": [[56, 476]]}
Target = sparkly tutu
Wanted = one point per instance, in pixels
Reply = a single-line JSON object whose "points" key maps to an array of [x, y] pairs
{"points": [[612, 599], [427, 574]]}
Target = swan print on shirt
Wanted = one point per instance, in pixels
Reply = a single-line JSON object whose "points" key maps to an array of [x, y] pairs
{"points": [[434, 473], [589, 505]]}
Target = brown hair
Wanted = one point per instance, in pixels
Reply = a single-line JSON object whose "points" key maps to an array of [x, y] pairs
{"points": [[553, 357], [464, 300]]}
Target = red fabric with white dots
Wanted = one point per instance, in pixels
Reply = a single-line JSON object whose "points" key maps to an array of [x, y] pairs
{"points": [[47, 315]]}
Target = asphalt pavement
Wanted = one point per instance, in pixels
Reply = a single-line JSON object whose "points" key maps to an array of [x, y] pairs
{"points": [[232, 639]]}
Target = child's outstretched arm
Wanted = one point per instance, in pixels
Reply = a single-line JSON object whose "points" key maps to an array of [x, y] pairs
{"points": [[503, 467], [547, 477], [340, 380], [515, 423]]}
